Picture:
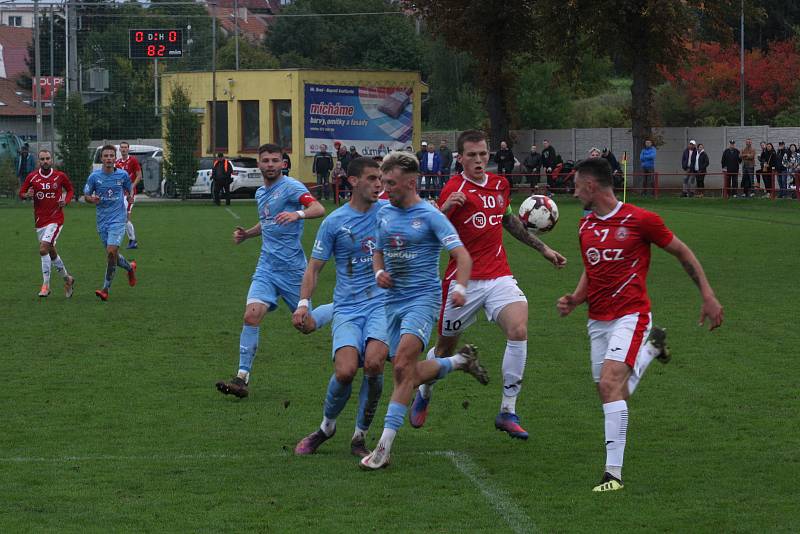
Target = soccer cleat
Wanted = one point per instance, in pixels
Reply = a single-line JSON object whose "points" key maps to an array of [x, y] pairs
{"points": [[310, 443], [377, 459], [44, 291], [509, 422], [473, 365], [132, 274], [658, 338], [102, 294], [69, 286], [236, 387], [609, 483], [419, 411], [358, 447], [133, 244]]}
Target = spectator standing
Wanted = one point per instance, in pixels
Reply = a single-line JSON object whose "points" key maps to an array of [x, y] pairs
{"points": [[339, 177], [505, 162], [795, 169], [688, 161], [446, 157], [343, 156], [430, 166], [25, 163], [783, 172], [701, 166], [549, 159], [221, 178], [422, 151], [287, 163], [761, 169], [748, 155], [730, 166], [769, 167], [647, 157], [322, 167], [533, 166]]}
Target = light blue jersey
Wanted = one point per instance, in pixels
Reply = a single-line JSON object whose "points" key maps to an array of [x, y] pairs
{"points": [[411, 240], [281, 249], [112, 189], [351, 236]]}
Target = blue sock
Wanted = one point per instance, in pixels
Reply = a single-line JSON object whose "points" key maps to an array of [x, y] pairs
{"points": [[368, 397], [248, 343], [337, 396], [322, 315], [445, 366], [110, 270], [122, 262], [395, 416]]}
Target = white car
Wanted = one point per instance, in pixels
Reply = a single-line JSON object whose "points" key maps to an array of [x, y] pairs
{"points": [[143, 153], [246, 178]]}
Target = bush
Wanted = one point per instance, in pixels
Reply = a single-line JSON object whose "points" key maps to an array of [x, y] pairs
{"points": [[541, 101], [72, 123], [181, 136], [8, 178]]}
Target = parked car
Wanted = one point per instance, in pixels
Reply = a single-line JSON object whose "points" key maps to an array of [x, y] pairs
{"points": [[142, 153], [246, 178]]}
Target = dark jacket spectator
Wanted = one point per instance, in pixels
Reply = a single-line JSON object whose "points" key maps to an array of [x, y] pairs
{"points": [[446, 157], [731, 159], [25, 163], [549, 156], [702, 161], [221, 179], [612, 160], [688, 158], [782, 151], [430, 163], [287, 163], [504, 159], [533, 161], [323, 163]]}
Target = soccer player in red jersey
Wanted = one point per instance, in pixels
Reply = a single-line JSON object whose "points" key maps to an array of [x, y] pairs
{"points": [[615, 241], [130, 165], [50, 190], [478, 205]]}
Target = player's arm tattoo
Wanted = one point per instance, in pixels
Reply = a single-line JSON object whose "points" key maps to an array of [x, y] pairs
{"points": [[518, 230], [688, 266]]}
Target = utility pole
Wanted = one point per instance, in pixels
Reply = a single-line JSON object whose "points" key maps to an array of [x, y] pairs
{"points": [[72, 47], [236, 29], [741, 66], [213, 76], [37, 83], [52, 86]]}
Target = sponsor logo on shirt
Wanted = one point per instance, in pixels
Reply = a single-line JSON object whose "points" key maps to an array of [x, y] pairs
{"points": [[480, 220], [368, 245], [621, 233], [595, 256], [452, 238], [416, 223], [396, 241]]}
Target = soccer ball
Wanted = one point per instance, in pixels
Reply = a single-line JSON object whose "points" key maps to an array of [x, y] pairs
{"points": [[539, 214]]}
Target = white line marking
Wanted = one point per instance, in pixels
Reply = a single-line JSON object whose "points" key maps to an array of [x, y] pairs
{"points": [[233, 213], [113, 458], [513, 515]]}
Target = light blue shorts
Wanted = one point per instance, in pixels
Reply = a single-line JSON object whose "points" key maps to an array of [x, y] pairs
{"points": [[266, 286], [415, 316], [112, 234], [355, 325]]}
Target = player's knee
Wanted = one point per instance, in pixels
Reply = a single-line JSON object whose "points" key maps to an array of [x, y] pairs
{"points": [[373, 367], [518, 332], [345, 375], [252, 317], [404, 371], [609, 388], [44, 248]]}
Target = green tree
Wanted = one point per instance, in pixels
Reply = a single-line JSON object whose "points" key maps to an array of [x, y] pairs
{"points": [[8, 178], [644, 35], [250, 56], [181, 137], [72, 123], [493, 32], [453, 103], [542, 102]]}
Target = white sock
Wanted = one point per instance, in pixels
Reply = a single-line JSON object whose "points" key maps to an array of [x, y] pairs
{"points": [[427, 389], [457, 360], [616, 430], [387, 438], [359, 434], [60, 267], [513, 368], [46, 270], [328, 426], [244, 375], [645, 357], [130, 231]]}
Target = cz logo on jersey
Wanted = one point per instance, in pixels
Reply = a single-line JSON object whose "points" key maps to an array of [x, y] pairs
{"points": [[479, 219], [594, 256]]}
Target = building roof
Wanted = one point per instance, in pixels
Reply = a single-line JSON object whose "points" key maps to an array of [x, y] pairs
{"points": [[16, 102], [251, 27], [256, 6], [14, 42]]}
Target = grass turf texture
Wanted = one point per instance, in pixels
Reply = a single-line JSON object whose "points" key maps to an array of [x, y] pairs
{"points": [[111, 420]]}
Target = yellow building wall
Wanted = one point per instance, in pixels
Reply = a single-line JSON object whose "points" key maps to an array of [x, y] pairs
{"points": [[267, 85]]}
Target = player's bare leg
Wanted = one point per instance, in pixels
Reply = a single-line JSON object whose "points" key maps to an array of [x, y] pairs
{"points": [[613, 391], [248, 344], [369, 395], [445, 346], [114, 259], [340, 387], [513, 321], [58, 263]]}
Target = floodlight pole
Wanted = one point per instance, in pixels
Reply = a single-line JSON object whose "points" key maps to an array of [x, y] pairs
{"points": [[52, 86], [236, 29], [741, 66], [213, 77], [37, 87]]}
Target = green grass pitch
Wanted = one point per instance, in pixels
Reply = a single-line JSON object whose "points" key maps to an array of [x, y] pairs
{"points": [[110, 419]]}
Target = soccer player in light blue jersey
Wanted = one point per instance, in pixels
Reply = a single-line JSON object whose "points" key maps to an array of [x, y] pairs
{"points": [[411, 234], [107, 188], [359, 318], [283, 203]]}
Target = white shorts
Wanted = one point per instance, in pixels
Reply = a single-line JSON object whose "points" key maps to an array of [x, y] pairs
{"points": [[49, 233], [492, 295], [128, 205], [619, 340]]}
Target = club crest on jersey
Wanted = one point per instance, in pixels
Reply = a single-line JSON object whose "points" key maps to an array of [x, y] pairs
{"points": [[368, 244], [416, 223], [621, 234], [500, 201], [396, 241]]}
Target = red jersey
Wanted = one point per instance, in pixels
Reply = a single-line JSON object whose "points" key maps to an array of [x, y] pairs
{"points": [[616, 258], [479, 223], [47, 191], [383, 195], [130, 165]]}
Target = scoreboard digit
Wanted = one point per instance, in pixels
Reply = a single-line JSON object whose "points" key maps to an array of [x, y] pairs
{"points": [[156, 44]]}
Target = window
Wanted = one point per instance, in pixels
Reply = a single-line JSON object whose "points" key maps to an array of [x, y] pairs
{"points": [[221, 123], [249, 119], [282, 123], [14, 21]]}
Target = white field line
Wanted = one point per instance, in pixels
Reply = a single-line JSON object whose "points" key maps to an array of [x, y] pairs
{"points": [[233, 213], [513, 515]]}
